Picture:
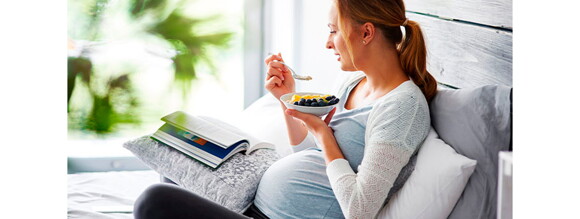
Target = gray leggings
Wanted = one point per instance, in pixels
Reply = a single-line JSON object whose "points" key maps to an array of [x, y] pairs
{"points": [[167, 200]]}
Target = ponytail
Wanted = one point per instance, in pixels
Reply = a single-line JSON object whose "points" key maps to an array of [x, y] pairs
{"points": [[413, 56]]}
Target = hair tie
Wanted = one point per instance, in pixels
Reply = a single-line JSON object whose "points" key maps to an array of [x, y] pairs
{"points": [[405, 23]]}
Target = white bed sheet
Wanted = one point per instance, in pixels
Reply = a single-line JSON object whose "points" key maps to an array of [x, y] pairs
{"points": [[89, 190]]}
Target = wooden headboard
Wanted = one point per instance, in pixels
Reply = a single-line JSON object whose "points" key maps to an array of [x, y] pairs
{"points": [[469, 42]]}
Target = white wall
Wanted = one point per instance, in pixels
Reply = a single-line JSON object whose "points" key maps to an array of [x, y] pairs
{"points": [[299, 30]]}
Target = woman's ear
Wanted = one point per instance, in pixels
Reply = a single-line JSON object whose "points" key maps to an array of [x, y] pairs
{"points": [[369, 31]]}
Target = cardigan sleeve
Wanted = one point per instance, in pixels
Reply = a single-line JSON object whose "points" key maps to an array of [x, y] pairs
{"points": [[395, 129]]}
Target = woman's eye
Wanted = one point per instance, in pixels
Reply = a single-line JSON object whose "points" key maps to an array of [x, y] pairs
{"points": [[333, 31]]}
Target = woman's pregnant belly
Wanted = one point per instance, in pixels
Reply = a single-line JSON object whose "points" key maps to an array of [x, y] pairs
{"points": [[297, 186]]}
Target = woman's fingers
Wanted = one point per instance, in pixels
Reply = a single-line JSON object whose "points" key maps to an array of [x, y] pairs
{"points": [[329, 116], [278, 65], [297, 114], [275, 71], [275, 68], [273, 57], [273, 82], [308, 119], [270, 58], [312, 122]]}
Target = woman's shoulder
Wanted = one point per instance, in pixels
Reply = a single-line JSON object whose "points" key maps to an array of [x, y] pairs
{"points": [[406, 94], [403, 110], [405, 103]]}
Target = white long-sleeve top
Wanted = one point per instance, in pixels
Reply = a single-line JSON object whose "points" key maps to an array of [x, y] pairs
{"points": [[396, 127]]}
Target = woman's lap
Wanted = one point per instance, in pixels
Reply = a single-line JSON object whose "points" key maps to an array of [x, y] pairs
{"points": [[166, 200]]}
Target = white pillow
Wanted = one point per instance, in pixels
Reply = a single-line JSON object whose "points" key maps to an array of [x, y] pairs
{"points": [[435, 185]]}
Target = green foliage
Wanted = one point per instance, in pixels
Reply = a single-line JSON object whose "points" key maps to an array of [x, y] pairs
{"points": [[108, 109], [191, 47], [78, 66], [139, 7]]}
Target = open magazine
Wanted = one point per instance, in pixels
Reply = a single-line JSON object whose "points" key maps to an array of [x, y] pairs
{"points": [[205, 139]]}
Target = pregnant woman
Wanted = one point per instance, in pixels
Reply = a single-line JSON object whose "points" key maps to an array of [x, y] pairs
{"points": [[349, 163]]}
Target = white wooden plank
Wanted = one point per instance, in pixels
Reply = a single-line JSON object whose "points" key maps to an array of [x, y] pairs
{"points": [[496, 13], [464, 55]]}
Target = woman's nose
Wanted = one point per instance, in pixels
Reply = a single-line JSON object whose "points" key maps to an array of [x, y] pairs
{"points": [[328, 44]]}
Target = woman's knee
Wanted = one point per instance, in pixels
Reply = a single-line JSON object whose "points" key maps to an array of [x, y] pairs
{"points": [[156, 192], [152, 199]]}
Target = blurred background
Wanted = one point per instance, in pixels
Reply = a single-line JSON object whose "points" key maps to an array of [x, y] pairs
{"points": [[132, 62]]}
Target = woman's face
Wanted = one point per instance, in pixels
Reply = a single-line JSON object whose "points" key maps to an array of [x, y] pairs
{"points": [[336, 42]]}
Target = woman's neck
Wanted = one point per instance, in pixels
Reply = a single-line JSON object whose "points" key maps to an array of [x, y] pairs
{"points": [[383, 73]]}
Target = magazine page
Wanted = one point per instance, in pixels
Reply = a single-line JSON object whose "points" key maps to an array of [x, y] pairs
{"points": [[212, 130], [260, 145], [254, 143]]}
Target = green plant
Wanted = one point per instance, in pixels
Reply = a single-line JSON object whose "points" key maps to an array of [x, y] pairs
{"points": [[117, 104]]}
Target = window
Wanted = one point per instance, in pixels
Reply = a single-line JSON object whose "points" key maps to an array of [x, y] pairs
{"points": [[132, 62], [298, 29]]}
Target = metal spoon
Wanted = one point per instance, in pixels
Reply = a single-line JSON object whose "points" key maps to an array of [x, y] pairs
{"points": [[294, 75]]}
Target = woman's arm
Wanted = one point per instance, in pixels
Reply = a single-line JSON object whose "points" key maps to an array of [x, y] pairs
{"points": [[329, 146], [296, 131], [279, 81], [394, 131], [320, 130]]}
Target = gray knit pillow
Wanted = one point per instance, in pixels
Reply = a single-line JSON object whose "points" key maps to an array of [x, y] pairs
{"points": [[232, 185]]}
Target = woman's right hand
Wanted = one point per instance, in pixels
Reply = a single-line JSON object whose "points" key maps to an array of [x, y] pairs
{"points": [[279, 80]]}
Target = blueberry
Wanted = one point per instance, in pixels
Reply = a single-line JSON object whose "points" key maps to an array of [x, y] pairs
{"points": [[296, 103], [314, 100], [320, 100], [314, 104], [329, 98], [333, 101], [302, 101], [308, 101], [323, 103]]}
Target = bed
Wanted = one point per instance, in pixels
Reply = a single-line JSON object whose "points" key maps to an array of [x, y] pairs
{"points": [[470, 48], [109, 191]]}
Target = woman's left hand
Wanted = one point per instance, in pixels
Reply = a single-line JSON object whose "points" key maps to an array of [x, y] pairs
{"points": [[320, 129], [314, 123]]}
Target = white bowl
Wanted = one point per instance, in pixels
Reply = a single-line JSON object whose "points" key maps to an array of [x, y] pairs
{"points": [[314, 110]]}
